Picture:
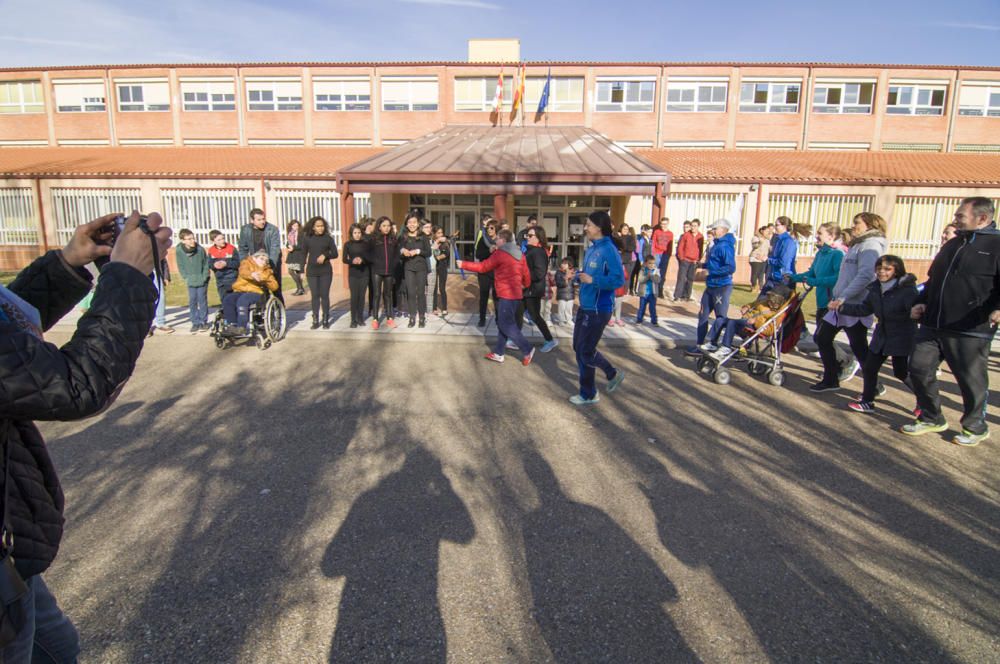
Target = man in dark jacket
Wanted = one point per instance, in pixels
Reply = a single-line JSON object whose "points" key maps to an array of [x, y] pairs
{"points": [[43, 382], [958, 310], [259, 234]]}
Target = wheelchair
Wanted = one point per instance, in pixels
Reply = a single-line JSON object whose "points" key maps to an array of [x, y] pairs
{"points": [[267, 325]]}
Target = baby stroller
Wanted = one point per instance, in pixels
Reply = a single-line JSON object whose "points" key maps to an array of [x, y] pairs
{"points": [[267, 324], [762, 346]]}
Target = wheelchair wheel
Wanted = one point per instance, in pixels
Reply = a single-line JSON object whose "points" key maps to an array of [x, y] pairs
{"points": [[275, 324], [261, 341]]}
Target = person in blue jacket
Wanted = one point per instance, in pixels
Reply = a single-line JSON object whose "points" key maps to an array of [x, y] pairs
{"points": [[720, 265], [781, 260], [601, 273]]}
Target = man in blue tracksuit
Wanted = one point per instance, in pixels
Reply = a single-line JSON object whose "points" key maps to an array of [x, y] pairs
{"points": [[720, 265], [601, 273]]}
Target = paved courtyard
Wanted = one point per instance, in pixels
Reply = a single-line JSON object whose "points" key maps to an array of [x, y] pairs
{"points": [[339, 499]]}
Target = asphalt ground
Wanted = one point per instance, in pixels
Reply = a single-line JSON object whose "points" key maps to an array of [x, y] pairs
{"points": [[332, 500]]}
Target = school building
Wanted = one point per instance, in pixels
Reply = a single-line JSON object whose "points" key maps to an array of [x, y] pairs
{"points": [[204, 144]]}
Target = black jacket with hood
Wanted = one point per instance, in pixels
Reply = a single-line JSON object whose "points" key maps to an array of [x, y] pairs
{"points": [[896, 331]]}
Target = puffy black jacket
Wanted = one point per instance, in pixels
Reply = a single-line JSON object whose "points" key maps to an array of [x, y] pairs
{"points": [[963, 284], [896, 331], [538, 266], [384, 255], [39, 381]]}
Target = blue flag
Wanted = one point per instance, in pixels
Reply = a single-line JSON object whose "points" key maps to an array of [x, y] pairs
{"points": [[543, 101]]}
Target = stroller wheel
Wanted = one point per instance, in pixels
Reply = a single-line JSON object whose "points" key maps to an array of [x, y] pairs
{"points": [[776, 378], [220, 342], [701, 364], [722, 376]]}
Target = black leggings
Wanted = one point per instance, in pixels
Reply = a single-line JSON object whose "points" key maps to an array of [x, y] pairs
{"points": [[857, 336], [319, 289], [534, 307], [382, 291], [296, 277], [441, 290], [874, 362], [633, 281], [358, 282], [757, 274], [485, 288], [416, 292]]}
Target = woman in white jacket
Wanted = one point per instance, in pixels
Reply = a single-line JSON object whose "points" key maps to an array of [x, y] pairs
{"points": [[857, 270]]}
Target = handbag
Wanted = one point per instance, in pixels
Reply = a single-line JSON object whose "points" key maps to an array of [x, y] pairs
{"points": [[12, 586]]}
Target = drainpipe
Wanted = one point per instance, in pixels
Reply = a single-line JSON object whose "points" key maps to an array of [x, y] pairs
{"points": [[41, 216], [954, 110], [807, 109], [760, 195]]}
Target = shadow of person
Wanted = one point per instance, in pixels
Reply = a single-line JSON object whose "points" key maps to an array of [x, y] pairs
{"points": [[387, 550], [596, 595]]}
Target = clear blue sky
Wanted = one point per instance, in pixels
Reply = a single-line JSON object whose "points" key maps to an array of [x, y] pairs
{"points": [[73, 32]]}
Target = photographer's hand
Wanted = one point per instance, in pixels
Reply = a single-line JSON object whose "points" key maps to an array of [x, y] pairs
{"points": [[133, 246], [85, 245]]}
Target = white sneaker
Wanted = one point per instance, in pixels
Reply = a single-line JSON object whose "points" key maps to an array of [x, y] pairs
{"points": [[708, 347], [511, 345], [722, 352], [848, 372]]}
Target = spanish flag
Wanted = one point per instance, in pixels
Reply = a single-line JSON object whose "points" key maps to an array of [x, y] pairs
{"points": [[518, 94]]}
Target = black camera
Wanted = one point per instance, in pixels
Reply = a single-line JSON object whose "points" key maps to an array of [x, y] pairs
{"points": [[116, 227]]}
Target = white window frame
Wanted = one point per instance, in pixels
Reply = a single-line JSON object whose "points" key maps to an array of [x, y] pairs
{"points": [[560, 94], [407, 103], [150, 96], [219, 95], [18, 219], [84, 95], [606, 87], [695, 89], [845, 90], [73, 206], [280, 95], [488, 91], [342, 87], [771, 89], [989, 107], [22, 104], [914, 91]]}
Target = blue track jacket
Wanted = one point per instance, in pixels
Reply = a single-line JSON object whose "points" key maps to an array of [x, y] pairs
{"points": [[721, 262], [603, 262]]}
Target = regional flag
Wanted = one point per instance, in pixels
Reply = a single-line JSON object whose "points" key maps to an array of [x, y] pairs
{"points": [[518, 94], [543, 101], [498, 97]]}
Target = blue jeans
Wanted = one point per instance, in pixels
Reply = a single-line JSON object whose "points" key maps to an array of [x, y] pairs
{"points": [[236, 307], [644, 301], [587, 332], [507, 327], [732, 327], [48, 636], [198, 304], [662, 264], [161, 304], [713, 299]]}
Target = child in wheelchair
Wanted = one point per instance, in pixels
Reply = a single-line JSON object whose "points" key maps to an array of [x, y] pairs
{"points": [[255, 280]]}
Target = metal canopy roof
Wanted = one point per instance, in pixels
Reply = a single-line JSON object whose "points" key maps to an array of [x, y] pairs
{"points": [[506, 160]]}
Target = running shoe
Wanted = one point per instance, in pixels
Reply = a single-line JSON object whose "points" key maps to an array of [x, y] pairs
{"points": [[549, 345], [969, 439], [823, 387], [494, 357], [692, 350], [527, 358], [862, 406], [847, 373], [616, 381], [919, 428], [708, 347], [578, 400], [511, 345], [374, 324], [390, 323]]}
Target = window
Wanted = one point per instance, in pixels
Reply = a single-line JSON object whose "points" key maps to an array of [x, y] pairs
{"points": [[201, 210], [75, 206], [916, 100], [476, 94], [627, 96], [208, 95], [704, 206], [143, 96], [80, 96], [409, 93], [843, 97], [816, 209], [769, 97], [980, 100], [18, 224], [565, 94], [348, 94], [21, 97], [696, 97], [274, 94]]}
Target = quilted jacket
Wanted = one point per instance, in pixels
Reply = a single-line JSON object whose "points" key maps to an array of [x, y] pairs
{"points": [[39, 381]]}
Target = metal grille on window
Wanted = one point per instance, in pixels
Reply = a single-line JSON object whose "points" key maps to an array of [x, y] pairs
{"points": [[706, 208], [202, 210], [816, 209], [78, 206], [18, 223]]}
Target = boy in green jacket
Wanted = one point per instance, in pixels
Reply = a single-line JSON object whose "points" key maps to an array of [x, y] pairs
{"points": [[192, 263]]}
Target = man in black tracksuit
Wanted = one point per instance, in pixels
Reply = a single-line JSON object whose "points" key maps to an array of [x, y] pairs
{"points": [[958, 310]]}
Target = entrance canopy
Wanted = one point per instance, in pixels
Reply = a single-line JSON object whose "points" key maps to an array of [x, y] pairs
{"points": [[507, 160]]}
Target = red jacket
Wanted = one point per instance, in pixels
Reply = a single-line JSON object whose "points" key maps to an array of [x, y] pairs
{"points": [[689, 247], [663, 241], [511, 274]]}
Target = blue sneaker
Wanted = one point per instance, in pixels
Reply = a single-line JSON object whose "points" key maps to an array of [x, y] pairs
{"points": [[548, 345], [616, 381], [692, 350]]}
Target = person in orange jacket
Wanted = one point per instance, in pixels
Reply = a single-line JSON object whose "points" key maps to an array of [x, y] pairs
{"points": [[254, 277]]}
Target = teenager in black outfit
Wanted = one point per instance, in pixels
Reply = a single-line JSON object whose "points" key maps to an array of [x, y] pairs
{"points": [[441, 250], [368, 235], [625, 239], [293, 261], [318, 249], [485, 245], [415, 249], [357, 253], [384, 259], [537, 258]]}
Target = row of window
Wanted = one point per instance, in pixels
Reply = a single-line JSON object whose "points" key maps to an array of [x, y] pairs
{"points": [[566, 94]]}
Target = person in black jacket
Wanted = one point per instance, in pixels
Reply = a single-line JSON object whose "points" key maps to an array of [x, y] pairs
{"points": [[384, 259], [295, 258], [441, 251], [537, 259], [958, 310], [486, 244], [890, 298], [44, 382], [414, 250], [625, 239], [318, 249], [357, 253]]}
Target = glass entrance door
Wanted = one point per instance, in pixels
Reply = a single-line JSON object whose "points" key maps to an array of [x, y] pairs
{"points": [[576, 241]]}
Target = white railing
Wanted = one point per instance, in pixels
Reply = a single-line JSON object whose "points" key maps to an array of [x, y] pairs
{"points": [[74, 206], [204, 210], [303, 204], [706, 207], [816, 209], [18, 221]]}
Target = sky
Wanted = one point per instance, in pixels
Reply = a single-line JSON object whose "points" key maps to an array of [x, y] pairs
{"points": [[45, 33]]}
